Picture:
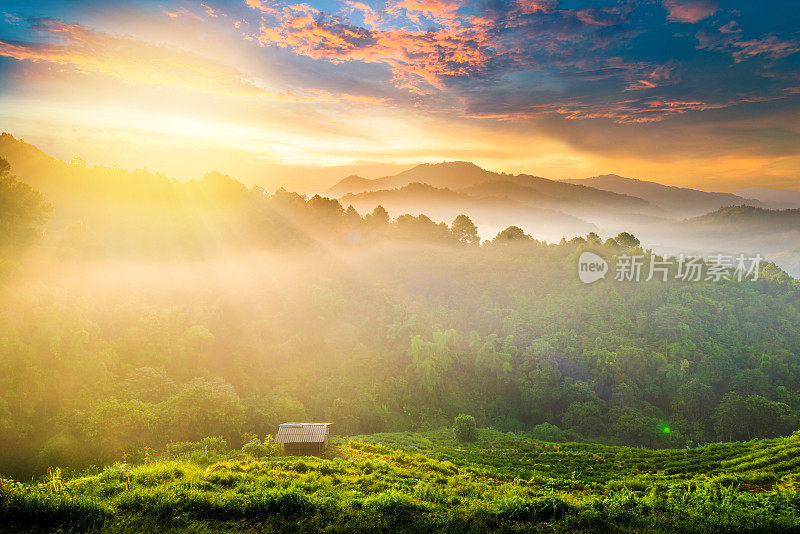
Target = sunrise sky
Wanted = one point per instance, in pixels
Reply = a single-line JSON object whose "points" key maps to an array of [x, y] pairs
{"points": [[686, 92]]}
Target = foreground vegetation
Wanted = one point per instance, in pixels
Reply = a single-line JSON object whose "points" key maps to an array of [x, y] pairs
{"points": [[430, 482]]}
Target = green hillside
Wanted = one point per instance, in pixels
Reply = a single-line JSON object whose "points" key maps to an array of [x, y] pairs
{"points": [[404, 482], [146, 328]]}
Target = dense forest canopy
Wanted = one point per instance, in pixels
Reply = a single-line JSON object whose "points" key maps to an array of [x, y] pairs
{"points": [[225, 311]]}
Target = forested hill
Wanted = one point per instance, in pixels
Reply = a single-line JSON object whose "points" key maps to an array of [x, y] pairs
{"points": [[739, 218], [317, 313]]}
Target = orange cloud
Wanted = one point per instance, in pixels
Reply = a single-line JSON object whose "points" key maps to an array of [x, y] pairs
{"points": [[261, 5], [633, 111], [640, 84], [417, 58], [529, 7]]}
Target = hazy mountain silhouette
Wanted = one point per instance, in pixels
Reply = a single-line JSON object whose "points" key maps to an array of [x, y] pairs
{"points": [[77, 183], [778, 198], [474, 181], [350, 185], [490, 213], [536, 190], [109, 200], [452, 175], [774, 234], [681, 201], [748, 218]]}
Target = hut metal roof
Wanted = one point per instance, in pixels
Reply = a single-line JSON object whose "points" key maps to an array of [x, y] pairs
{"points": [[302, 433]]}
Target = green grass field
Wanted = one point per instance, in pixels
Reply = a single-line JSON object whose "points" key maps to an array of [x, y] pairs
{"points": [[422, 482]]}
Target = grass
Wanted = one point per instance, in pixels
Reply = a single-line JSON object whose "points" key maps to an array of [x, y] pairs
{"points": [[424, 482]]}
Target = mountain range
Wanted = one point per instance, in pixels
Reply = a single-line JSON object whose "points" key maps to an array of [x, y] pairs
{"points": [[598, 193], [469, 179], [670, 219], [780, 198], [666, 218], [679, 201]]}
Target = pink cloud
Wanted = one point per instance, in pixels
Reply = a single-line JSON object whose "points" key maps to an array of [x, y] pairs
{"points": [[632, 111], [730, 27], [528, 7], [743, 49], [10, 18], [691, 11], [770, 46]]}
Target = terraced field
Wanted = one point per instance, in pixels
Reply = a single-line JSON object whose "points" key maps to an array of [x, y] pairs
{"points": [[521, 457], [428, 482]]}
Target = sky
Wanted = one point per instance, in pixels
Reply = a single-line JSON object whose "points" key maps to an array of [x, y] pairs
{"points": [[695, 93]]}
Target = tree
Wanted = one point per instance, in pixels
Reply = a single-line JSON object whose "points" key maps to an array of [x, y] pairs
{"points": [[266, 411], [420, 228], [593, 239], [465, 428], [379, 216], [23, 210], [203, 409], [694, 401], [148, 384], [626, 240], [631, 427], [585, 418], [113, 427], [751, 382], [769, 419], [325, 210], [465, 231], [351, 216], [216, 187], [512, 233], [729, 417]]}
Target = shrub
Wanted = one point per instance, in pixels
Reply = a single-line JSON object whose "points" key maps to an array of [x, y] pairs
{"points": [[255, 448], [550, 432], [465, 428], [300, 467]]}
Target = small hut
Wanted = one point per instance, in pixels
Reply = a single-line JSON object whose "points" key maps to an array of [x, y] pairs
{"points": [[303, 438]]}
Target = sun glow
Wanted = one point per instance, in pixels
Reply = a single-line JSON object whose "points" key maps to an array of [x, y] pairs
{"points": [[259, 90]]}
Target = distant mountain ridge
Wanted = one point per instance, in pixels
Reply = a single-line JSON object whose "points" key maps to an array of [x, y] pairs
{"points": [[682, 201], [780, 198], [490, 213], [451, 175], [670, 219], [468, 178], [549, 209], [736, 218]]}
